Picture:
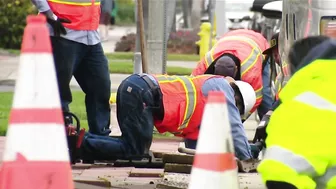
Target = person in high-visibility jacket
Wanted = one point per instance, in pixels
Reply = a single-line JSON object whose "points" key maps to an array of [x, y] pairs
{"points": [[173, 104], [295, 55], [77, 51], [300, 151], [238, 54]]}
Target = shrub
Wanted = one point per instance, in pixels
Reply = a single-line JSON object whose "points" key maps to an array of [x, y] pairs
{"points": [[126, 43], [181, 42], [126, 13], [13, 15]]}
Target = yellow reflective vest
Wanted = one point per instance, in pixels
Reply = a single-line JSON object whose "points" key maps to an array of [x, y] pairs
{"points": [[301, 141]]}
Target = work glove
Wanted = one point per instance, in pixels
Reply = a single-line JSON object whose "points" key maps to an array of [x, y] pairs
{"points": [[261, 134], [56, 24]]}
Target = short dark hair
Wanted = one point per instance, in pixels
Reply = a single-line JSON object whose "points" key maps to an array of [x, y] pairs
{"points": [[301, 48]]}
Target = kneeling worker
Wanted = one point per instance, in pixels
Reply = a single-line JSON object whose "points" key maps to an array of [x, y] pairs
{"points": [[173, 104], [300, 142]]}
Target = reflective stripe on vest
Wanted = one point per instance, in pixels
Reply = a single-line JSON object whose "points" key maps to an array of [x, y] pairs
{"points": [[296, 162], [191, 95], [278, 82], [259, 92], [77, 2], [300, 165], [322, 181], [248, 62], [316, 101]]}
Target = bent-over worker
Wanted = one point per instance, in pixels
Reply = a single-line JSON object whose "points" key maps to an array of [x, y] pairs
{"points": [[300, 142], [238, 54], [173, 104]]}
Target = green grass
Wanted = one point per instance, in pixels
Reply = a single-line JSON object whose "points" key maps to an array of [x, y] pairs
{"points": [[77, 107], [126, 67], [5, 106], [130, 55], [11, 51], [170, 57]]}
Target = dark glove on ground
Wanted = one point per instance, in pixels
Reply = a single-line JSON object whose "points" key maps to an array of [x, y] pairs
{"points": [[58, 26]]}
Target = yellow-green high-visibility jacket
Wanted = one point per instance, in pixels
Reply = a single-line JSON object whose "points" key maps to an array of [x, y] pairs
{"points": [[301, 140]]}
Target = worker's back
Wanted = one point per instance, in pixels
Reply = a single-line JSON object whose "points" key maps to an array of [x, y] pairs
{"points": [[237, 43], [255, 36], [183, 103]]}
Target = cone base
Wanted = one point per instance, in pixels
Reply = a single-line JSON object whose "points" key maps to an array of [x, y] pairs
{"points": [[201, 179], [33, 175]]}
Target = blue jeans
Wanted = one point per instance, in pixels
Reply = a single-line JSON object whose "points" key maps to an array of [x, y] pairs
{"points": [[88, 64], [135, 104], [267, 100]]}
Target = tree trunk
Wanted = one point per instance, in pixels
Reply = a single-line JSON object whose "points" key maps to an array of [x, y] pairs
{"points": [[196, 14]]}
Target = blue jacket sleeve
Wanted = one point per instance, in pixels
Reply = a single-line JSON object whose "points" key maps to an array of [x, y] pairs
{"points": [[241, 145]]}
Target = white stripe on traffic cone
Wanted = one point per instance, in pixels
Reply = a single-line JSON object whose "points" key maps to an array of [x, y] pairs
{"points": [[36, 153]]}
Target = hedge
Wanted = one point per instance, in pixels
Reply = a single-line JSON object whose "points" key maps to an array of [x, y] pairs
{"points": [[13, 15]]}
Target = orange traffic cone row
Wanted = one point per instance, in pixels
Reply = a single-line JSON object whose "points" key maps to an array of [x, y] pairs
{"points": [[36, 153], [214, 163]]}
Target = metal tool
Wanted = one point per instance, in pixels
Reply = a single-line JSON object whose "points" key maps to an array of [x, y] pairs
{"points": [[186, 151], [74, 135]]}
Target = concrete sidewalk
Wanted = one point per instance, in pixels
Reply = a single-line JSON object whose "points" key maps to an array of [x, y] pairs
{"points": [[9, 64], [9, 71]]}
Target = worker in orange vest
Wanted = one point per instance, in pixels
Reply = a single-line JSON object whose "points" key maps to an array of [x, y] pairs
{"points": [[173, 104], [77, 51], [275, 59], [238, 54]]}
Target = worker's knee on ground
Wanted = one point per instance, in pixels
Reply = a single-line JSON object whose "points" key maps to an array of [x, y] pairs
{"points": [[271, 170]]}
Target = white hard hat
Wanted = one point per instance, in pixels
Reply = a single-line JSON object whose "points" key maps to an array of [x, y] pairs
{"points": [[249, 96]]}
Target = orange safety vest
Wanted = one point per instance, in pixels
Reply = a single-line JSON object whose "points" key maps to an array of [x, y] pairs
{"points": [[247, 46], [183, 103], [83, 14]]}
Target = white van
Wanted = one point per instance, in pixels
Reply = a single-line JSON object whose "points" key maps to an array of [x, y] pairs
{"points": [[302, 18]]}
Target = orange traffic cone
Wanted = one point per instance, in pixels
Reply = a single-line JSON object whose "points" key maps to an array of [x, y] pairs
{"points": [[36, 153], [214, 163]]}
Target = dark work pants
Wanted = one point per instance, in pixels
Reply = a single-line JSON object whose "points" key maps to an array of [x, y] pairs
{"points": [[88, 64], [135, 105]]}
